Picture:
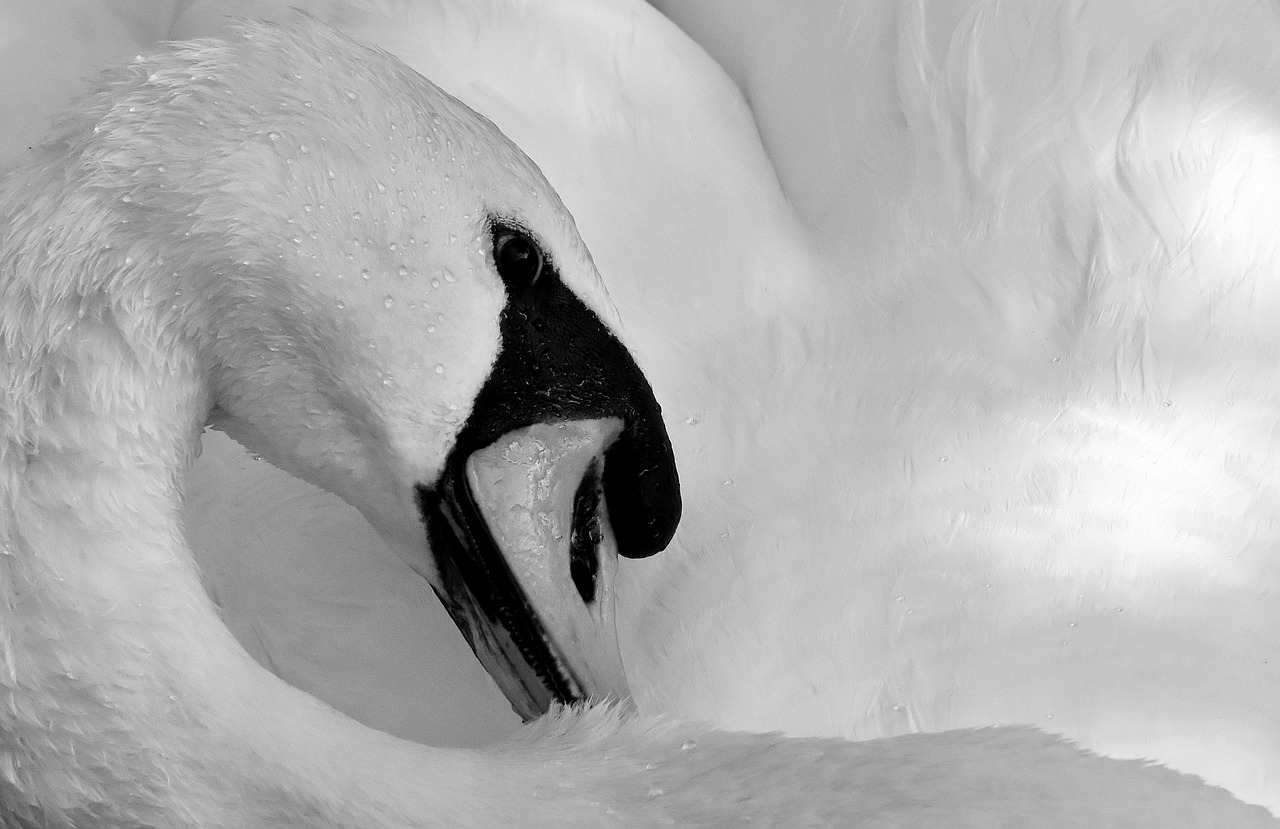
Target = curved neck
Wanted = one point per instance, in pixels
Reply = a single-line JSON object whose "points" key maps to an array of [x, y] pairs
{"points": [[124, 700]]}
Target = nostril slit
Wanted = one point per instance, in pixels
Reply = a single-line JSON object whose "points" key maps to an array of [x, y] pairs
{"points": [[584, 541]]}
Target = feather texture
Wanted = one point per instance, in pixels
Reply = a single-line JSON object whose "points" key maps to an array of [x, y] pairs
{"points": [[973, 393]]}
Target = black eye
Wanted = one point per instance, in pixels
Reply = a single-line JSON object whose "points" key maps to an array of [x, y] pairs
{"points": [[518, 259]]}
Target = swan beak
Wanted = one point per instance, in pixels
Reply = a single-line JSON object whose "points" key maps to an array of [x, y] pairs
{"points": [[527, 557]]}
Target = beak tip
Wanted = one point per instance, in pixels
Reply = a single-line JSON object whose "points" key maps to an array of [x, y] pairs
{"points": [[645, 508]]}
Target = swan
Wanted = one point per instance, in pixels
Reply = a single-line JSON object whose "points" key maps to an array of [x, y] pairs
{"points": [[956, 428], [128, 701], [948, 310]]}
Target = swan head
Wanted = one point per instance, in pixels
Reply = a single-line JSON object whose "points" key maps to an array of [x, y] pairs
{"points": [[387, 299]]}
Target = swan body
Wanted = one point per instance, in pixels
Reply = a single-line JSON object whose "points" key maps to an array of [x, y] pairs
{"points": [[127, 701], [1052, 226]]}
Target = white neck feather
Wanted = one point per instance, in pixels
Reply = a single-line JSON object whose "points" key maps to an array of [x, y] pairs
{"points": [[119, 675]]}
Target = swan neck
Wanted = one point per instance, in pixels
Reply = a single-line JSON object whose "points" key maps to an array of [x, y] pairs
{"points": [[124, 699]]}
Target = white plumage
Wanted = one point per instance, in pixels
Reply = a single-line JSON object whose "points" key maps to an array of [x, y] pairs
{"points": [[930, 427], [1056, 412]]}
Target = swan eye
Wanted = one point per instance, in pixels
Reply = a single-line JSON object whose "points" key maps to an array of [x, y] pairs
{"points": [[518, 258]]}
